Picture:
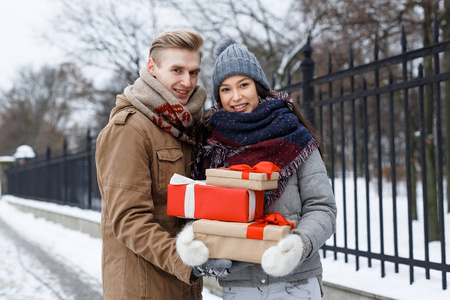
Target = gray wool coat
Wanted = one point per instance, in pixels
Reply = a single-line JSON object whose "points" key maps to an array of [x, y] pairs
{"points": [[308, 198]]}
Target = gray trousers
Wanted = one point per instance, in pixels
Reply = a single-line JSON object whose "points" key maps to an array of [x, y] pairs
{"points": [[276, 291]]}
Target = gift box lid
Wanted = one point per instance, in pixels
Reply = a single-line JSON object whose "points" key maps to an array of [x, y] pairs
{"points": [[238, 174]]}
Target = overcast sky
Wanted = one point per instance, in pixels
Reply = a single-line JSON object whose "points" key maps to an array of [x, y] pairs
{"points": [[22, 23]]}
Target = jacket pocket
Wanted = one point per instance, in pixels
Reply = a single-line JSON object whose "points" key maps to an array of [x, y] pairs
{"points": [[170, 161], [143, 277]]}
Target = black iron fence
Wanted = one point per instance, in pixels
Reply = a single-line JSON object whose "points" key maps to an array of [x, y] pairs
{"points": [[385, 155], [373, 122], [66, 178]]}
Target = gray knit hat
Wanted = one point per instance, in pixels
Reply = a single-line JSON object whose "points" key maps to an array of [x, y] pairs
{"points": [[234, 59]]}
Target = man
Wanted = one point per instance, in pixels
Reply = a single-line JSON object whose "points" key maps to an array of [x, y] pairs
{"points": [[149, 138]]}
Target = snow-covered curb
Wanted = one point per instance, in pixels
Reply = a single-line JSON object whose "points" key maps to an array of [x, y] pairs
{"points": [[66, 210], [86, 221]]}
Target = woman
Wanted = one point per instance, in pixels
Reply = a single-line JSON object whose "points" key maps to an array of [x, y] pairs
{"points": [[250, 123]]}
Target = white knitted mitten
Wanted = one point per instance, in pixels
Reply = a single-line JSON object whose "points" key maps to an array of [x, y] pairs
{"points": [[192, 252], [281, 259]]}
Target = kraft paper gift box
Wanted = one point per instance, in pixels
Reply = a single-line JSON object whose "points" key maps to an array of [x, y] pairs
{"points": [[228, 240], [262, 176], [196, 200]]}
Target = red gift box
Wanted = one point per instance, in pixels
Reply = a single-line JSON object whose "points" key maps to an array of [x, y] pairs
{"points": [[196, 200]]}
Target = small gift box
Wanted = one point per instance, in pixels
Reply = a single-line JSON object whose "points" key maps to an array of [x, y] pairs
{"points": [[241, 241], [196, 200], [262, 176]]}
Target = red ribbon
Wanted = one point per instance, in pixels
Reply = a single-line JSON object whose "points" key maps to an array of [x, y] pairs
{"points": [[266, 167], [256, 230]]}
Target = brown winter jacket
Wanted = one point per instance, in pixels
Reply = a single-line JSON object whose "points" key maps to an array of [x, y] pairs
{"points": [[135, 161]]}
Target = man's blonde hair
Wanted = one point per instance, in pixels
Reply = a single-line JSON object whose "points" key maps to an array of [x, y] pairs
{"points": [[178, 38]]}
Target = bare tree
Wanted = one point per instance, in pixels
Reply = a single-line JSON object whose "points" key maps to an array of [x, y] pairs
{"points": [[36, 110], [269, 33], [445, 20], [338, 24], [110, 35], [430, 8], [105, 100]]}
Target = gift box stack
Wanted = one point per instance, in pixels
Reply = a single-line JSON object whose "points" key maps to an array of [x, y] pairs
{"points": [[229, 207]]}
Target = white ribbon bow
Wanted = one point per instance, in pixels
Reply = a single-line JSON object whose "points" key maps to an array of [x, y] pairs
{"points": [[189, 198]]}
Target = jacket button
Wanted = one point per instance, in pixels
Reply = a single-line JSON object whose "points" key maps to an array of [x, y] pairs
{"points": [[263, 281]]}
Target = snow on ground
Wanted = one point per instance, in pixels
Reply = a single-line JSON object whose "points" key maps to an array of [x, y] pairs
{"points": [[22, 276], [394, 285], [80, 251], [83, 251]]}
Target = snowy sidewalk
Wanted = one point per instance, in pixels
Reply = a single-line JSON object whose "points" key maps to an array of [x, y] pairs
{"points": [[28, 272], [42, 260]]}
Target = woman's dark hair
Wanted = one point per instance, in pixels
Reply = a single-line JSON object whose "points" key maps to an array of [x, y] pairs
{"points": [[263, 94]]}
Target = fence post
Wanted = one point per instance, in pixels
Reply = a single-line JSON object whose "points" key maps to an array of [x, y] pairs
{"points": [[65, 179], [34, 177], [47, 164], [89, 167], [307, 68]]}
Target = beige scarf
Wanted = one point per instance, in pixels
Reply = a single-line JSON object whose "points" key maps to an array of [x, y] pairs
{"points": [[150, 97]]}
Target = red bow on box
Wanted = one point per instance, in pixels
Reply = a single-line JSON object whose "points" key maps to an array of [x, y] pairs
{"points": [[256, 230], [266, 167]]}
